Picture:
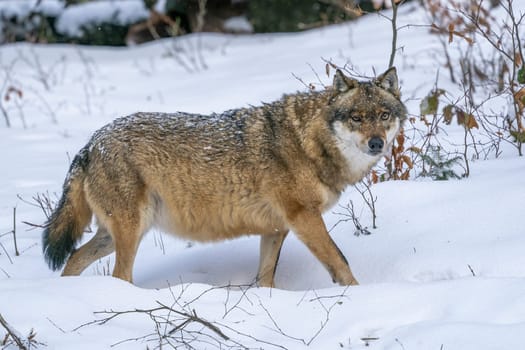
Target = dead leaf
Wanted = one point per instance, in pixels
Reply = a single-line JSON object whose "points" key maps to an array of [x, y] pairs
{"points": [[450, 32], [448, 113]]}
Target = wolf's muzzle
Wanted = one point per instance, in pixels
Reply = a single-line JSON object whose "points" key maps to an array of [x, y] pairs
{"points": [[375, 145]]}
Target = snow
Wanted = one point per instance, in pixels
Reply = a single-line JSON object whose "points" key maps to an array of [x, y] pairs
{"points": [[74, 18], [238, 24], [19, 11], [445, 268], [22, 8], [160, 6]]}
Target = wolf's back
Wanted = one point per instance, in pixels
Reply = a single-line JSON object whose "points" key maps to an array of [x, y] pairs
{"points": [[72, 214]]}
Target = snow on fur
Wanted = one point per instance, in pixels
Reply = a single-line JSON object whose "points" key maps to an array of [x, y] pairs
{"points": [[445, 268]]}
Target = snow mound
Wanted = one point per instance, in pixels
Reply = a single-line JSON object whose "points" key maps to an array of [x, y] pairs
{"points": [[73, 19]]}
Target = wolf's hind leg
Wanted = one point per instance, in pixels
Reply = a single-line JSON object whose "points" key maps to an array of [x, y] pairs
{"points": [[127, 238], [98, 247], [270, 250]]}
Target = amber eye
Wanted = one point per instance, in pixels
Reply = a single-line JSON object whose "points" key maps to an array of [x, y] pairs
{"points": [[355, 118], [385, 116]]}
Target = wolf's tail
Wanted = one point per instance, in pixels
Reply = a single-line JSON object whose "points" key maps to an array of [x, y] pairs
{"points": [[72, 214]]}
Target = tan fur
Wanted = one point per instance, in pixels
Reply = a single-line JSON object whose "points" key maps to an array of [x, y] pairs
{"points": [[262, 170]]}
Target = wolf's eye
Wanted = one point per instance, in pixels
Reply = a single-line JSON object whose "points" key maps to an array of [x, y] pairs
{"points": [[385, 116], [355, 118]]}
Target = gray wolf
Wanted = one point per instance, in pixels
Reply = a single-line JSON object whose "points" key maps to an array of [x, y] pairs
{"points": [[262, 170]]}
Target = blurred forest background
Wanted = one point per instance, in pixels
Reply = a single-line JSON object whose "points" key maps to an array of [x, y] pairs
{"points": [[126, 22]]}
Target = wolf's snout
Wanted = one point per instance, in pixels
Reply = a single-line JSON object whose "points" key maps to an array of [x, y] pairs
{"points": [[375, 145]]}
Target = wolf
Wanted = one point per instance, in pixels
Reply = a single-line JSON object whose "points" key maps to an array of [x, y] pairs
{"points": [[263, 170]]}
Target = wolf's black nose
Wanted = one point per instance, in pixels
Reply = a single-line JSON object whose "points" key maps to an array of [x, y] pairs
{"points": [[375, 145]]}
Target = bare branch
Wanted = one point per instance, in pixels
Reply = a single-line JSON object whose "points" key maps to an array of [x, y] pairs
{"points": [[13, 337]]}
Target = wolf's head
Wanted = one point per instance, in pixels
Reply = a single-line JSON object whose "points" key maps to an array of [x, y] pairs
{"points": [[366, 116]]}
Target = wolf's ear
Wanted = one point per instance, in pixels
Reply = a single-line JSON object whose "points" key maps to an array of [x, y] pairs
{"points": [[388, 81], [343, 83]]}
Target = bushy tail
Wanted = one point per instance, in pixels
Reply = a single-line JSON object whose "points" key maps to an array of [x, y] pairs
{"points": [[69, 219]]}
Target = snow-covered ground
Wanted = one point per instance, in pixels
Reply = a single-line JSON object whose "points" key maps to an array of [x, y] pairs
{"points": [[445, 268]]}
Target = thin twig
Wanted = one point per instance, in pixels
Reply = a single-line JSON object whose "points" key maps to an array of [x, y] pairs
{"points": [[394, 34], [4, 113], [5, 272], [277, 327], [13, 334], [6, 253], [17, 253], [327, 313]]}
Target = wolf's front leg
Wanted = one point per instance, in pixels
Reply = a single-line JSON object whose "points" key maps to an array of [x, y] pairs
{"points": [[309, 226]]}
